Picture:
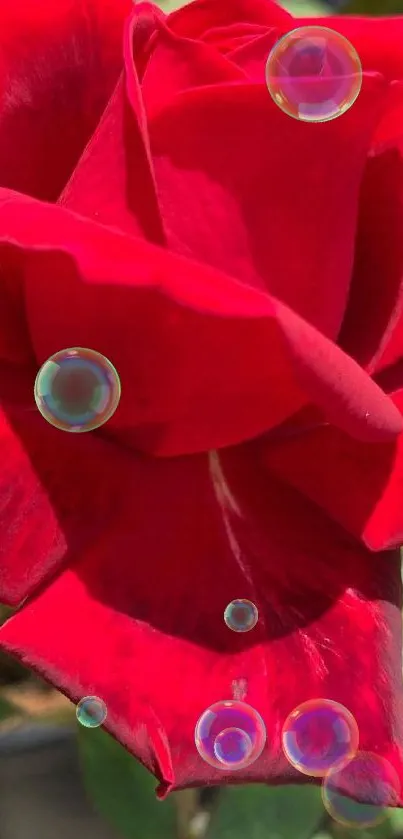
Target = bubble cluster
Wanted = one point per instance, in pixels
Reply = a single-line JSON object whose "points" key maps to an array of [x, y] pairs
{"points": [[367, 776], [241, 615], [318, 735], [314, 74], [91, 712], [77, 390], [230, 735]]}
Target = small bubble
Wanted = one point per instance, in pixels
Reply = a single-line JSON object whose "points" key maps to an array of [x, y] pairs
{"points": [[233, 746], [366, 776], [241, 615], [91, 712], [230, 735], [77, 390], [319, 734], [314, 74]]}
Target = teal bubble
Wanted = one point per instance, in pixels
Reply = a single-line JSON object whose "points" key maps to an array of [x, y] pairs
{"points": [[77, 390], [91, 712], [241, 615]]}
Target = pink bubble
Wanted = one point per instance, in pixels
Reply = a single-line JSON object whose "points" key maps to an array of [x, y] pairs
{"points": [[230, 735], [314, 74]]}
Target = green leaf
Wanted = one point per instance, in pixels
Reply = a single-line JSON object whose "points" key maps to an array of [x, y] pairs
{"points": [[396, 820], [262, 812], [381, 831], [169, 6], [372, 7], [306, 8], [7, 709], [122, 790]]}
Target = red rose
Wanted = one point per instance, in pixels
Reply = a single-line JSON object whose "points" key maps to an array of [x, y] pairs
{"points": [[243, 272]]}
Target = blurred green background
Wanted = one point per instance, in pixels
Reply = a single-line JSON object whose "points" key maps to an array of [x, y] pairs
{"points": [[318, 7], [36, 723]]}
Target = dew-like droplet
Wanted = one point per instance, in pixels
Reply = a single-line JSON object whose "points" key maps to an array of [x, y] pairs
{"points": [[318, 735], [314, 74], [77, 389], [368, 777], [230, 735], [241, 615], [91, 712]]}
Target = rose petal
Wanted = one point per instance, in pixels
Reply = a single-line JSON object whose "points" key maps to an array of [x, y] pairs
{"points": [[391, 381], [44, 484], [203, 364], [195, 19], [58, 65], [227, 38], [378, 40], [253, 54], [15, 343], [377, 283], [269, 200], [181, 63], [358, 485], [127, 197], [390, 126], [329, 624]]}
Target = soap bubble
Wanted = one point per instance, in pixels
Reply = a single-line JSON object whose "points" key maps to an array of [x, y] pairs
{"points": [[77, 389], [314, 74], [230, 735], [366, 776], [91, 712], [241, 615], [319, 734]]}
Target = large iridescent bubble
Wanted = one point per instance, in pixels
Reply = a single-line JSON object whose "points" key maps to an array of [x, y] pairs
{"points": [[319, 734], [230, 735], [314, 74]]}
